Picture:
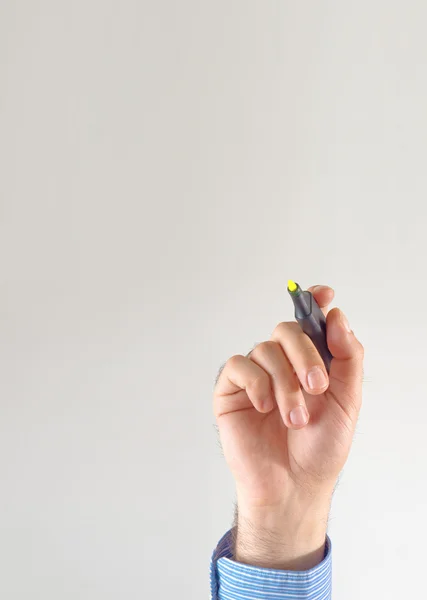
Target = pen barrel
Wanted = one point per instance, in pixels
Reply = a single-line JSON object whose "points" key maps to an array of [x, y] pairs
{"points": [[314, 325]]}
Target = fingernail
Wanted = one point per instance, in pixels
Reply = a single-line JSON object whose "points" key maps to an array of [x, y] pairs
{"points": [[316, 378], [344, 321], [298, 416], [319, 288]]}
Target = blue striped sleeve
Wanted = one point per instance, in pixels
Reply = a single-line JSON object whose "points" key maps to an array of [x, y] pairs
{"points": [[231, 580]]}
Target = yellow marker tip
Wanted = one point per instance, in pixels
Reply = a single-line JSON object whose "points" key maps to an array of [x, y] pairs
{"points": [[292, 286]]}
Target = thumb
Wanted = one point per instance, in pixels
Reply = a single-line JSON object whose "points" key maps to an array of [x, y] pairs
{"points": [[346, 373]]}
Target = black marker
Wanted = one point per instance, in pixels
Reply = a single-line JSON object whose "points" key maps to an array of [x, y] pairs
{"points": [[311, 319]]}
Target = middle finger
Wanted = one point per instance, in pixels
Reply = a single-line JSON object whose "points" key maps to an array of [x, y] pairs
{"points": [[303, 356]]}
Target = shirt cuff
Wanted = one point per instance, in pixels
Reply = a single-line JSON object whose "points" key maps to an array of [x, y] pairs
{"points": [[231, 580]]}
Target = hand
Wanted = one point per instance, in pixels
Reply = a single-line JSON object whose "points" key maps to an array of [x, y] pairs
{"points": [[285, 441]]}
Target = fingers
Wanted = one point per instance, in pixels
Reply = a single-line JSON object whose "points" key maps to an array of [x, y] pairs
{"points": [[274, 371], [273, 375], [286, 388], [242, 384], [304, 357], [346, 373], [323, 296]]}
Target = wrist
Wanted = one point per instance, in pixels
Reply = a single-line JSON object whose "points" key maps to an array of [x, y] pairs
{"points": [[289, 536]]}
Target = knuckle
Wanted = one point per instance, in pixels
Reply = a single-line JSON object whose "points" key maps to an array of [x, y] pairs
{"points": [[234, 362], [265, 348], [278, 330], [283, 328]]}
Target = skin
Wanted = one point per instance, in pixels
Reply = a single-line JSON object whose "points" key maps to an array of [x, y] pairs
{"points": [[285, 473]]}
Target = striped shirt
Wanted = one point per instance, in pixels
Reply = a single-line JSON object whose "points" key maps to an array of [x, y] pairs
{"points": [[231, 580]]}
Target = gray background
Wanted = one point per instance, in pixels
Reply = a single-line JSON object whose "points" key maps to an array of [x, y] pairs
{"points": [[165, 167]]}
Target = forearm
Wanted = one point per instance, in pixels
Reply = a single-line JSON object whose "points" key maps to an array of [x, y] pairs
{"points": [[289, 537]]}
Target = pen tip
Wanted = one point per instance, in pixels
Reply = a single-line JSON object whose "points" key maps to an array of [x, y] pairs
{"points": [[292, 286]]}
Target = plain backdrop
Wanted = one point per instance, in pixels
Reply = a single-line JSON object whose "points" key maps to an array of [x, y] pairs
{"points": [[165, 167]]}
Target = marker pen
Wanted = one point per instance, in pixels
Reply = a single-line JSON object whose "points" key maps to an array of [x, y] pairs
{"points": [[311, 319]]}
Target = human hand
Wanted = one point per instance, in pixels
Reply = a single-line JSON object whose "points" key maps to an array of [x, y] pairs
{"points": [[285, 472]]}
